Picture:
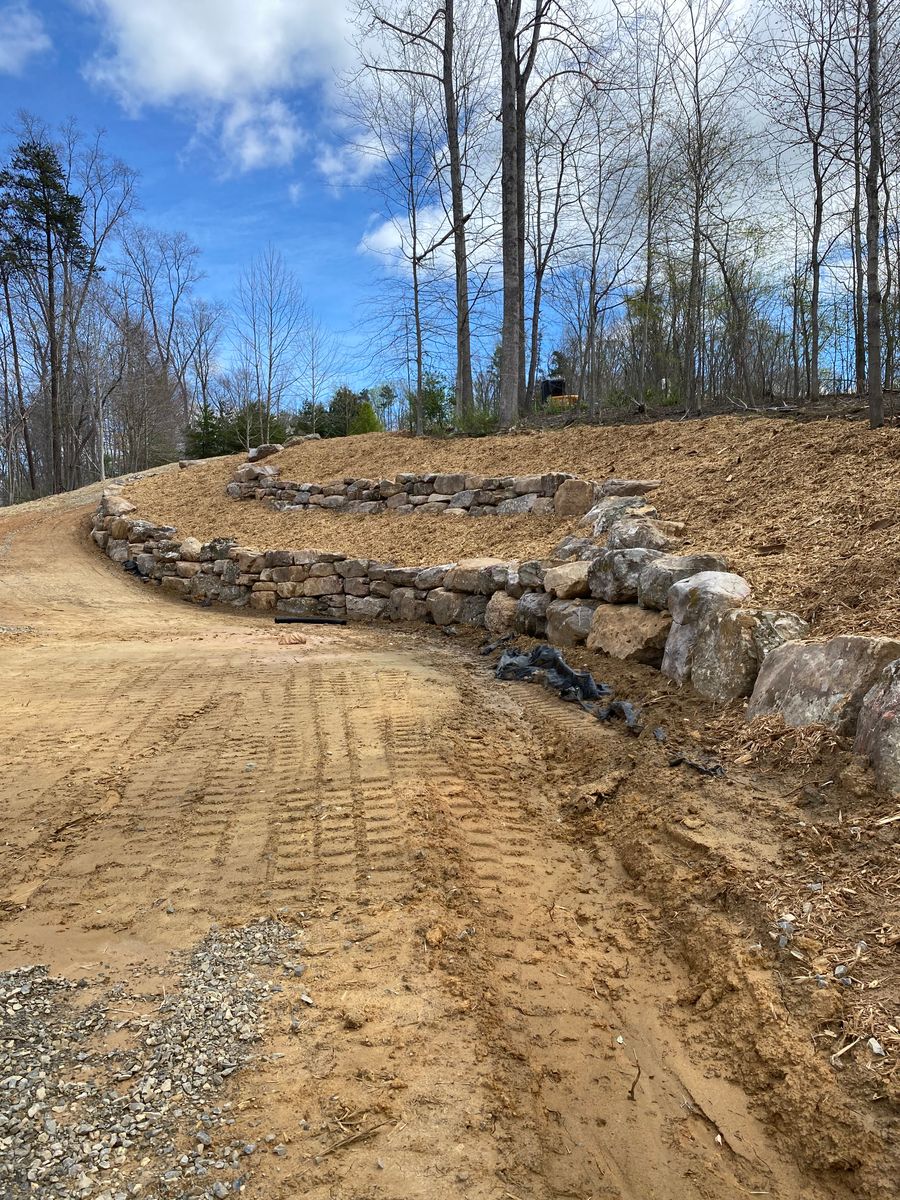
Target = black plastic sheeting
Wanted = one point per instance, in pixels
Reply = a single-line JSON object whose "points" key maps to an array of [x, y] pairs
{"points": [[545, 665]]}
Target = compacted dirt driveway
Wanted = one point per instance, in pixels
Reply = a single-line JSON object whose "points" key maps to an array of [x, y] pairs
{"points": [[297, 919]]}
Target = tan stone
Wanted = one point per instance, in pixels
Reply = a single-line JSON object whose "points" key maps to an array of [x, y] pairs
{"points": [[187, 570], [568, 581], [473, 575], [630, 633], [573, 498], [171, 583], [500, 614], [327, 585], [263, 600]]}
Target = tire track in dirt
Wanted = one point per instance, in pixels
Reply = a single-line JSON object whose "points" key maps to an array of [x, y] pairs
{"points": [[468, 971]]}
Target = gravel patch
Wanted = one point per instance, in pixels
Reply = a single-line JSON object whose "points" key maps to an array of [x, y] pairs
{"points": [[78, 1119]]}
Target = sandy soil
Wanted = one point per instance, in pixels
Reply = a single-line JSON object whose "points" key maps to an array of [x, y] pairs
{"points": [[807, 512], [539, 958]]}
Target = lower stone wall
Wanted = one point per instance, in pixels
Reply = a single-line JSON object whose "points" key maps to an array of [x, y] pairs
{"points": [[632, 598]]}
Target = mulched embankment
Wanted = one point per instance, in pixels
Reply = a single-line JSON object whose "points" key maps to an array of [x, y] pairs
{"points": [[807, 512]]}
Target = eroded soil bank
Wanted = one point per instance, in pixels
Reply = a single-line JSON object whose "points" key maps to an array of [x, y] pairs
{"points": [[511, 952]]}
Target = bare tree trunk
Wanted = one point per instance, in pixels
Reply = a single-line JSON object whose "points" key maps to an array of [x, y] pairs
{"points": [[873, 311], [20, 391], [464, 387], [510, 345]]}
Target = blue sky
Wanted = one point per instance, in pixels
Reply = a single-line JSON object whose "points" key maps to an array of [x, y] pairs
{"points": [[229, 111]]}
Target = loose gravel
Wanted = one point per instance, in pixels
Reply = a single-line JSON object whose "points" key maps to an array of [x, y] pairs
{"points": [[78, 1119]]}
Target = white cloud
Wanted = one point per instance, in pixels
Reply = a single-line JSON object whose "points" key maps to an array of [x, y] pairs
{"points": [[346, 165], [260, 134], [23, 37], [229, 62]]}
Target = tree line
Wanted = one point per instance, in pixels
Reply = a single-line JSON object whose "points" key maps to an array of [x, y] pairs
{"points": [[688, 202], [111, 359]]}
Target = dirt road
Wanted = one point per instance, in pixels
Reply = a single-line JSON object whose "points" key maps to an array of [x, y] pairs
{"points": [[483, 1007]]}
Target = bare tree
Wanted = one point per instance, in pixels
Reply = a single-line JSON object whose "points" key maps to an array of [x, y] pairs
{"points": [[270, 321]]}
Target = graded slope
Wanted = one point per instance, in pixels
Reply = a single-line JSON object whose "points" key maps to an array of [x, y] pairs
{"points": [[807, 512]]}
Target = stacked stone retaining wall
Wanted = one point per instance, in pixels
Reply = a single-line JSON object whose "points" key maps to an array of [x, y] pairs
{"points": [[632, 598]]}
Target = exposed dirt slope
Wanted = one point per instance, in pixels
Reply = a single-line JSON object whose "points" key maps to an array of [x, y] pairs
{"points": [[808, 512], [503, 1003]]}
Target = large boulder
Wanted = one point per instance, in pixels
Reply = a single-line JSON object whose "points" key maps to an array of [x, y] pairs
{"points": [[250, 473], [574, 497], [729, 652], [632, 533], [658, 576], [878, 729], [114, 504], [517, 505], [613, 508], [405, 605], [531, 613], [258, 453], [695, 603], [568, 581], [482, 576], [629, 632], [500, 614], [613, 575], [455, 608], [821, 682], [365, 608], [574, 547], [569, 621]]}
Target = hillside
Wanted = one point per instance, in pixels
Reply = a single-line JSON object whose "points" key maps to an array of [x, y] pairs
{"points": [[827, 546]]}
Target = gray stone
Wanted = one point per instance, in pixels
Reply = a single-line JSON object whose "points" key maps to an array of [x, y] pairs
{"points": [[821, 683], [333, 502], [365, 608], [574, 547], [878, 728], [517, 505], [531, 613], [630, 633], [449, 485], [630, 533], [117, 550], [628, 487], [613, 575], [258, 453], [531, 573], [444, 606], [569, 621], [405, 606], [432, 577], [658, 576], [729, 652], [404, 577], [352, 568], [463, 499], [694, 603], [613, 508]]}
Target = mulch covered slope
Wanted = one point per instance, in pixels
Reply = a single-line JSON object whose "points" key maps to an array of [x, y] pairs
{"points": [[809, 513]]}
